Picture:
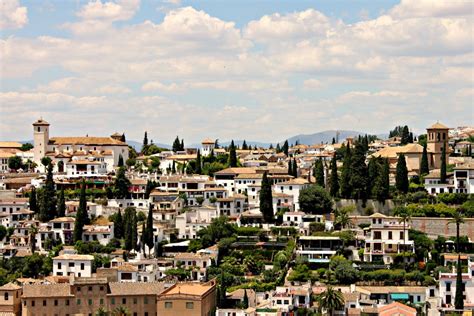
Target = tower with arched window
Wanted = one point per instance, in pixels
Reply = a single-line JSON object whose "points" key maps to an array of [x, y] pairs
{"points": [[437, 138]]}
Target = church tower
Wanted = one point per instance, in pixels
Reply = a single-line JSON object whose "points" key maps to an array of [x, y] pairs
{"points": [[40, 139], [437, 138]]}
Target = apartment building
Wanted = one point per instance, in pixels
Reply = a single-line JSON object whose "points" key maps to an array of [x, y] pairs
{"points": [[72, 264]]}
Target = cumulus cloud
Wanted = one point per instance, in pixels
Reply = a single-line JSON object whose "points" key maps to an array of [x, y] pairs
{"points": [[12, 15], [109, 11]]}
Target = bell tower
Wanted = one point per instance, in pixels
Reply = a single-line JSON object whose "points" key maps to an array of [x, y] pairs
{"points": [[40, 139], [437, 138]]}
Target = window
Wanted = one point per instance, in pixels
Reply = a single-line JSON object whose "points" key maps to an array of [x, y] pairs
{"points": [[55, 302], [59, 266], [145, 300], [71, 264], [448, 286], [90, 288], [32, 303], [113, 300], [124, 301], [389, 235], [168, 305], [5, 296], [101, 288], [67, 302], [44, 302], [402, 236], [279, 302], [101, 301], [189, 305], [78, 302], [89, 301]]}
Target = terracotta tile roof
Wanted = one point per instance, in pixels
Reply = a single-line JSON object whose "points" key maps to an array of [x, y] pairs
{"points": [[83, 162], [47, 290], [10, 286], [297, 181], [74, 257], [6, 154], [136, 288], [249, 176], [10, 144], [127, 268], [63, 220], [88, 140], [207, 141], [236, 170], [188, 288], [438, 125], [40, 122]]}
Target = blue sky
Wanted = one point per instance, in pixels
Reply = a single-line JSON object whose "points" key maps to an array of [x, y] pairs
{"points": [[260, 70]]}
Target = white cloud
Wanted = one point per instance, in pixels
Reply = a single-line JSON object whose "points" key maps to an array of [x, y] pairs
{"points": [[109, 11], [312, 84], [432, 8], [12, 15], [158, 86]]}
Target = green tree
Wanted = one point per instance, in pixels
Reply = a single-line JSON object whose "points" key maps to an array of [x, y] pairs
{"points": [[45, 161], [47, 209], [319, 173], [32, 232], [121, 184], [346, 188], [120, 161], [61, 204], [266, 199], [381, 188], [26, 147], [232, 155], [424, 167], [150, 185], [118, 225], [33, 201], [290, 167], [359, 174], [101, 312], [245, 300], [149, 238], [244, 145], [181, 146], [458, 219], [458, 298], [81, 214], [3, 232], [295, 169], [176, 144], [121, 311], [15, 163], [334, 178], [401, 177], [198, 168], [315, 200], [331, 300], [145, 142], [405, 136], [130, 228], [405, 216], [285, 148], [442, 175]]}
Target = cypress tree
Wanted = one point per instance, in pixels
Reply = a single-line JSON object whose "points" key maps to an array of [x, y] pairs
{"points": [[458, 299], [81, 214], [143, 238], [405, 137], [245, 301], [118, 225], [135, 231], [334, 178], [244, 145], [145, 140], [181, 146], [232, 155], [401, 178], [277, 148], [121, 184], [266, 199], [285, 147], [149, 240], [198, 169], [173, 167], [424, 168], [333, 141], [150, 185], [176, 144], [374, 171], [61, 204], [32, 201], [346, 189], [290, 167], [122, 138], [120, 161], [359, 172], [295, 169], [130, 228], [384, 191], [47, 210], [442, 175], [319, 173]]}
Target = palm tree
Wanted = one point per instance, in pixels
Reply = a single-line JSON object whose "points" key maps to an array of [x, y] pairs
{"points": [[343, 219], [121, 311], [458, 219], [331, 300], [101, 312], [32, 234]]}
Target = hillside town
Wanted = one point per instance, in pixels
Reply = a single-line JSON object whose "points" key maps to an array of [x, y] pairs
{"points": [[357, 226]]}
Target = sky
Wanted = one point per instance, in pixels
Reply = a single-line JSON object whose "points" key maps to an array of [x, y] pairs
{"points": [[255, 70]]}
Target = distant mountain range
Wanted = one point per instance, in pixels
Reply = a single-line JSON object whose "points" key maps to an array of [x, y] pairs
{"points": [[307, 139]]}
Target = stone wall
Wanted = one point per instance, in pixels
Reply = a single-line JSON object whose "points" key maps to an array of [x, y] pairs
{"points": [[370, 206], [433, 226]]}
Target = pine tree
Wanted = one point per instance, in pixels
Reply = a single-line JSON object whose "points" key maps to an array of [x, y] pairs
{"points": [[81, 214], [32, 201], [319, 173], [61, 204], [121, 184], [149, 239], [359, 172], [442, 175], [334, 179], [405, 136], [198, 169], [346, 189], [266, 199], [232, 155], [401, 178], [424, 168], [459, 299], [118, 225], [120, 161], [285, 148], [176, 145], [244, 145]]}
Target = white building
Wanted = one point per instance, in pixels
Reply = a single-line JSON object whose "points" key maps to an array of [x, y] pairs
{"points": [[207, 147], [447, 287], [63, 149], [386, 238], [77, 265], [318, 249], [464, 178], [191, 222], [292, 187], [90, 167]]}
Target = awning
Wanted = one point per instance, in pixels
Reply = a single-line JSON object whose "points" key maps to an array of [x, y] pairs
{"points": [[399, 296]]}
